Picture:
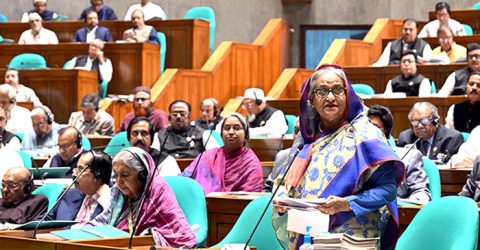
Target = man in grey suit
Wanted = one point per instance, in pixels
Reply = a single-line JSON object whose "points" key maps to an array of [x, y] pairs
{"points": [[414, 186], [436, 141], [472, 186]]}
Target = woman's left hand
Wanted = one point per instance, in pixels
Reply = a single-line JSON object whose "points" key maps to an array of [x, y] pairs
{"points": [[333, 205]]}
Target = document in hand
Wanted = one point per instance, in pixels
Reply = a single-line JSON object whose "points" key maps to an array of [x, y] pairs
{"points": [[300, 204], [45, 224], [87, 233]]}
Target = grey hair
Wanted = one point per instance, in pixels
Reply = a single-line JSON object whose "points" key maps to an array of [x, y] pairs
{"points": [[129, 160], [33, 15], [339, 72], [420, 105], [98, 42], [9, 90]]}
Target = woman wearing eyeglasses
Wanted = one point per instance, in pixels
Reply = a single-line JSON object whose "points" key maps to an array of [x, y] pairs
{"points": [[233, 167], [346, 160]]}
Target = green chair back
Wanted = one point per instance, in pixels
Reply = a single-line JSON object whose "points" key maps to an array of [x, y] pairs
{"points": [[446, 223], [3, 18], [60, 18], [67, 63], [468, 29], [216, 136], [26, 158], [86, 143], [205, 13], [162, 39], [264, 238], [20, 135], [105, 89], [434, 86], [476, 6], [391, 141], [465, 136], [28, 61], [291, 119], [433, 174], [191, 199], [362, 88], [117, 143], [51, 191]]}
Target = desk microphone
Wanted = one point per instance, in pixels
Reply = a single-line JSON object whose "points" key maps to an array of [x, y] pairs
{"points": [[147, 186], [297, 150], [109, 146], [58, 200], [414, 145], [194, 172], [40, 146], [42, 176]]}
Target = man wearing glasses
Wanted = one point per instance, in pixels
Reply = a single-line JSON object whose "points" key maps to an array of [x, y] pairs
{"points": [[143, 106], [18, 205], [41, 139], [264, 120], [436, 141], [181, 139], [457, 81]]}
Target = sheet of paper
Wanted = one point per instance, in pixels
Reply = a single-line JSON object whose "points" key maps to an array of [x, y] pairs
{"points": [[299, 220]]}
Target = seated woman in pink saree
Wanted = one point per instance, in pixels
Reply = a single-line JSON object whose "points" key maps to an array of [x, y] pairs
{"points": [[233, 167]]}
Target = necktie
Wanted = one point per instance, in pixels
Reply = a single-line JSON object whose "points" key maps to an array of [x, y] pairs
{"points": [[424, 148], [84, 213]]}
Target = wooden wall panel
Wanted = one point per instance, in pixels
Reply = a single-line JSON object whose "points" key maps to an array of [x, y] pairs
{"points": [[187, 39]]}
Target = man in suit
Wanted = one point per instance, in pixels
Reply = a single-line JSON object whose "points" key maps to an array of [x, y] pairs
{"points": [[92, 30], [91, 195], [472, 186], [415, 184], [436, 141], [104, 12]]}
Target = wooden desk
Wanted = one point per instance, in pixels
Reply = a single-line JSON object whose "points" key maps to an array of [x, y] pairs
{"points": [[267, 149], [134, 64], [99, 142], [187, 39], [398, 106], [27, 105], [453, 180], [223, 212], [467, 16], [61, 90], [406, 215], [183, 163]]}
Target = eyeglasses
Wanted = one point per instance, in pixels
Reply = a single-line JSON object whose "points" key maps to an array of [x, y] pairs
{"points": [[235, 127], [10, 185], [179, 113], [39, 125], [423, 121], [405, 61], [79, 169], [474, 56], [443, 39], [247, 104], [141, 99], [65, 146], [324, 92]]}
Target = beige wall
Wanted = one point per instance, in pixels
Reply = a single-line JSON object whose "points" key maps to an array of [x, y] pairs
{"points": [[242, 20]]}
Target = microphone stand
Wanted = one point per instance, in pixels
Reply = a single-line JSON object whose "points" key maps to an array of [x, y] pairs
{"points": [[297, 150], [58, 201], [194, 172], [147, 186]]}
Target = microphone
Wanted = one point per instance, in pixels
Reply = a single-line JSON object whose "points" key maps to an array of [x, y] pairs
{"points": [[40, 146], [108, 146], [410, 148], [42, 176], [194, 172], [147, 186], [58, 200], [297, 150]]}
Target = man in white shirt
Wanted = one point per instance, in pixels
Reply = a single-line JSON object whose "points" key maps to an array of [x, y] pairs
{"points": [[37, 34], [40, 7], [442, 10], [18, 118], [264, 120], [24, 93], [409, 41], [7, 139], [95, 61], [150, 10], [468, 151], [456, 82]]}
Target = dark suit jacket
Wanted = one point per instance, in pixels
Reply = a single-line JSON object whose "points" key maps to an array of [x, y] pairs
{"points": [[445, 141], [101, 33], [472, 186], [69, 206]]}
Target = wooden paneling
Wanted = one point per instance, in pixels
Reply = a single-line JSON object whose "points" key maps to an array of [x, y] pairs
{"points": [[399, 107], [187, 39], [467, 16], [61, 90], [118, 110], [453, 180], [134, 64]]}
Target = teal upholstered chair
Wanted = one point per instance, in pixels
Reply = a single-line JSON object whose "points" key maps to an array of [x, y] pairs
{"points": [[468, 29], [446, 223], [3, 18], [205, 13], [264, 238], [60, 18], [191, 199], [476, 6], [26, 158], [433, 174], [465, 136], [291, 119], [104, 82], [362, 88], [434, 86], [86, 143], [162, 39], [117, 143], [28, 61], [20, 135], [51, 191]]}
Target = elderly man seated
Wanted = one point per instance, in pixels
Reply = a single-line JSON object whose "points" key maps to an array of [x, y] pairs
{"points": [[92, 120], [40, 7], [18, 205], [42, 138], [140, 32], [18, 118], [23, 93], [8, 139], [37, 34]]}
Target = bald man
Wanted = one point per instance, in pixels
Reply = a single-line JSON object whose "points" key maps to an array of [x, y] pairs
{"points": [[37, 34], [18, 205]]}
